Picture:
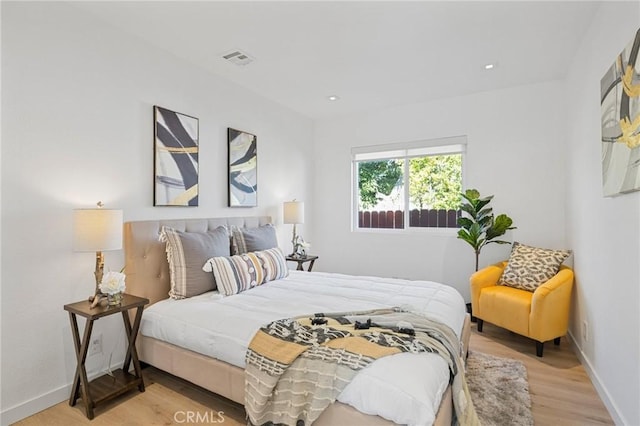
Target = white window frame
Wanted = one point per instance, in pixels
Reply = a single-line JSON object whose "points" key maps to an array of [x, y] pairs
{"points": [[406, 151]]}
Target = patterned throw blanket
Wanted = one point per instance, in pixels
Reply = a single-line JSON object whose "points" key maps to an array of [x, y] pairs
{"points": [[297, 367]]}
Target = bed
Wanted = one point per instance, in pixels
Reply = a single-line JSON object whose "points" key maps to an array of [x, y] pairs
{"points": [[216, 364]]}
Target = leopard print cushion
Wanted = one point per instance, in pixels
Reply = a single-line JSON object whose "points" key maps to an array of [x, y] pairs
{"points": [[530, 267]]}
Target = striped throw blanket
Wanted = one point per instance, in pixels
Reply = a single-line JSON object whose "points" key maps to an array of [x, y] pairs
{"points": [[297, 367]]}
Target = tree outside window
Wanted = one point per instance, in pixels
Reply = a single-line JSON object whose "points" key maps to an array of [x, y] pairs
{"points": [[435, 182]]}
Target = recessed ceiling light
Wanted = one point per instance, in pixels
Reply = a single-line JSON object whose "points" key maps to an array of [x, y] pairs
{"points": [[333, 98], [489, 66]]}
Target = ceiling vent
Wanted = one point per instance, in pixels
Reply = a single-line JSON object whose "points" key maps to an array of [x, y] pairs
{"points": [[238, 57]]}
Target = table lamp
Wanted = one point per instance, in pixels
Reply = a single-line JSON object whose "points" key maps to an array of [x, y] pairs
{"points": [[293, 213], [98, 230]]}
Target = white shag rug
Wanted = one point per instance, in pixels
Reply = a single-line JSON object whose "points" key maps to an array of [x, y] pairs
{"points": [[499, 389]]}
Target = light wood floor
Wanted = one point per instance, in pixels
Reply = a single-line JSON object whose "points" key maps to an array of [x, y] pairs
{"points": [[561, 392]]}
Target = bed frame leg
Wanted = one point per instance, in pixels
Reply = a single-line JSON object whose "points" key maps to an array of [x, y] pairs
{"points": [[539, 348], [556, 341], [480, 324]]}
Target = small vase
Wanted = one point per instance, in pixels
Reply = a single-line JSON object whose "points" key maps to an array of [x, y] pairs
{"points": [[114, 299]]}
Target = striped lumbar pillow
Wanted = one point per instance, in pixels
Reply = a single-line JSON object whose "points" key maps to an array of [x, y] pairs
{"points": [[234, 274], [274, 264]]}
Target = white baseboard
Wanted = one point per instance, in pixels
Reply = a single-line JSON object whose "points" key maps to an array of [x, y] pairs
{"points": [[35, 405], [42, 402], [597, 383]]}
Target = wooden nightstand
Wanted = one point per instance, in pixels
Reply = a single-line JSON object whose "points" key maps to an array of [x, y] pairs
{"points": [[105, 387], [301, 261]]}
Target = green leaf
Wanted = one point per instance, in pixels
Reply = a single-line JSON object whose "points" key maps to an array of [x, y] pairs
{"points": [[468, 237], [502, 223], [498, 242], [464, 235], [475, 231], [465, 222], [485, 212], [471, 194], [483, 202], [499, 226], [469, 209], [486, 221]]}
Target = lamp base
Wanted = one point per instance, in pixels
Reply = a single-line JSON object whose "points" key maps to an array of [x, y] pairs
{"points": [[99, 272]]}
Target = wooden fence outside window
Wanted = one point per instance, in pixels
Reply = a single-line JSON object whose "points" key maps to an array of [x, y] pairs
{"points": [[424, 218]]}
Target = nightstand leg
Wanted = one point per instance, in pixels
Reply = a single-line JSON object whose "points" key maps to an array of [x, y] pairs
{"points": [[80, 380], [311, 265], [299, 268], [132, 353]]}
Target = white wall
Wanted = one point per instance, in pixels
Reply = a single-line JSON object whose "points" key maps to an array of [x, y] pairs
{"points": [[77, 128], [515, 151], [603, 232], [0, 212]]}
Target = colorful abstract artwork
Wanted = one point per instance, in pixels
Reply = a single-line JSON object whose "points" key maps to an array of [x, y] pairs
{"points": [[243, 169], [176, 158], [620, 106]]}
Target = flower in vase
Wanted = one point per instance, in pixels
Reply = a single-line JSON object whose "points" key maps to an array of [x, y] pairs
{"points": [[112, 283]]}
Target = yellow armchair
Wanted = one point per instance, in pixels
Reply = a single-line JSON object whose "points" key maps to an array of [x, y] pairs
{"points": [[541, 315]]}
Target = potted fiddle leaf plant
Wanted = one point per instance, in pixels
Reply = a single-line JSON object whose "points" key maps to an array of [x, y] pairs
{"points": [[480, 226]]}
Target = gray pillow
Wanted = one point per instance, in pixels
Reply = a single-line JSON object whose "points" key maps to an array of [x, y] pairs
{"points": [[246, 240], [186, 253]]}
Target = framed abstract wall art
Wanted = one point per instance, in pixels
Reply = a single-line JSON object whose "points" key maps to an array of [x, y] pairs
{"points": [[620, 108], [176, 158], [243, 169]]}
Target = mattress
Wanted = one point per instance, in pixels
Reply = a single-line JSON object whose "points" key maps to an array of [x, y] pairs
{"points": [[404, 388]]}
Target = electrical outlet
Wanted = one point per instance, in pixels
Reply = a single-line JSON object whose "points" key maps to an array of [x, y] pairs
{"points": [[95, 345], [585, 331]]}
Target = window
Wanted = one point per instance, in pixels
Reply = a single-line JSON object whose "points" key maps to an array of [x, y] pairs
{"points": [[415, 183]]}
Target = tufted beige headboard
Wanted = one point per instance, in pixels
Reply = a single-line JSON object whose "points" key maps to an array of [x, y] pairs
{"points": [[146, 263]]}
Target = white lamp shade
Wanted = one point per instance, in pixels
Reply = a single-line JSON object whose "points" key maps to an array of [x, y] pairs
{"points": [[293, 212], [97, 229]]}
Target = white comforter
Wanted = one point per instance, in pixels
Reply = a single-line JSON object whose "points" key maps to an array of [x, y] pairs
{"points": [[404, 388]]}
